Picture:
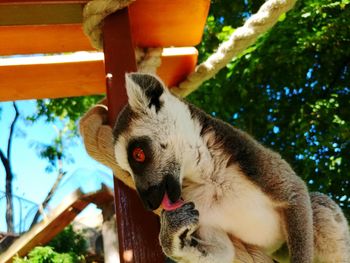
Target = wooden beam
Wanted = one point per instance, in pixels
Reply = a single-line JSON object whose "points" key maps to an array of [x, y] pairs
{"points": [[51, 80], [67, 76], [60, 217], [24, 29], [168, 23], [42, 39], [42, 2], [40, 14], [137, 229]]}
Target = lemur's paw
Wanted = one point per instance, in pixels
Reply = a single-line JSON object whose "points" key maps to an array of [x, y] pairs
{"points": [[177, 227]]}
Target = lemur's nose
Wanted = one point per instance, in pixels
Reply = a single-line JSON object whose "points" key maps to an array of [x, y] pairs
{"points": [[153, 196], [173, 188]]}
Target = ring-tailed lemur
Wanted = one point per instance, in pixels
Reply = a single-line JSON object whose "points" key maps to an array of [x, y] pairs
{"points": [[232, 186]]}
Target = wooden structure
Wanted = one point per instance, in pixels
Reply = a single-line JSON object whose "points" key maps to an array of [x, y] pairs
{"points": [[54, 26], [60, 217]]}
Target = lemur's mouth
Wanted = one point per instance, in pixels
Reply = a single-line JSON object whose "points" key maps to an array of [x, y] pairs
{"points": [[168, 205], [167, 193]]}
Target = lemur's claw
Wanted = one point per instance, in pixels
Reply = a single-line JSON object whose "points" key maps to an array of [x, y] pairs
{"points": [[177, 227]]}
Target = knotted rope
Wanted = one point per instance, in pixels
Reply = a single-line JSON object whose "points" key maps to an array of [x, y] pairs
{"points": [[94, 13]]}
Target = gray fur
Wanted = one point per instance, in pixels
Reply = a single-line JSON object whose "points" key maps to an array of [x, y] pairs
{"points": [[240, 188]]}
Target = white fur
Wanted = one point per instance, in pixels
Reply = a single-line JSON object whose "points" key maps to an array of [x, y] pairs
{"points": [[224, 197], [120, 152]]}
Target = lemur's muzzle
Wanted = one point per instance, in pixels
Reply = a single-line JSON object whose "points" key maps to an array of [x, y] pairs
{"points": [[153, 196]]}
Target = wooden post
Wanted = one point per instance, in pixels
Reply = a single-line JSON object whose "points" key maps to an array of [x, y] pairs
{"points": [[137, 229]]}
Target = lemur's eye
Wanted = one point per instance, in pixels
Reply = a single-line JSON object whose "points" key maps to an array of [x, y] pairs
{"points": [[138, 154]]}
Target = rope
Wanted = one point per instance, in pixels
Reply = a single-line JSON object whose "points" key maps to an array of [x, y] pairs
{"points": [[241, 38], [94, 13], [148, 60]]}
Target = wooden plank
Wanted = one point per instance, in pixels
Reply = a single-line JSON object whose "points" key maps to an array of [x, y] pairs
{"points": [[40, 14], [177, 64], [60, 217], [51, 80], [42, 39], [42, 77], [167, 23], [45, 230], [137, 229], [16, 2]]}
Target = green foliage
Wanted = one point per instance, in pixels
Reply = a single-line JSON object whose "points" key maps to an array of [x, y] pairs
{"points": [[69, 241], [66, 247], [65, 109], [291, 89], [47, 255], [56, 151]]}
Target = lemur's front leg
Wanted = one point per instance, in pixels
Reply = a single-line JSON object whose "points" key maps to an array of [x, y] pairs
{"points": [[183, 240]]}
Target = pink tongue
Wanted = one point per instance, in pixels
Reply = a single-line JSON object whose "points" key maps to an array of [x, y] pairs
{"points": [[168, 205]]}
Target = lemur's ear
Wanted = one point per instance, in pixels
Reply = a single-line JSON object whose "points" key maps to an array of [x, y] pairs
{"points": [[144, 90]]}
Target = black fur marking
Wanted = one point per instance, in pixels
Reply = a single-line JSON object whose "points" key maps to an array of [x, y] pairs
{"points": [[153, 196], [194, 242], [183, 238], [259, 164], [123, 121], [199, 157], [152, 88], [144, 143], [240, 146], [173, 188]]}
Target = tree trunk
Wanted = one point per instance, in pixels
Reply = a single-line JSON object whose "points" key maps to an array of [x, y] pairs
{"points": [[6, 161], [8, 187], [9, 203]]}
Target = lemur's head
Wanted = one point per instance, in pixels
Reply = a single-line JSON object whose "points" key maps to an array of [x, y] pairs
{"points": [[150, 136]]}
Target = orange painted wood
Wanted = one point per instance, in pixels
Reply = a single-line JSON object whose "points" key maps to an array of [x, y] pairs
{"points": [[16, 2], [51, 80], [137, 229], [168, 23], [153, 23], [42, 39], [35, 81], [175, 68]]}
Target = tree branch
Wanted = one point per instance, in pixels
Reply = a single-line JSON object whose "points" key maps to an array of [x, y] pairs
{"points": [[9, 176], [3, 158], [12, 128], [5, 162], [48, 198], [50, 194]]}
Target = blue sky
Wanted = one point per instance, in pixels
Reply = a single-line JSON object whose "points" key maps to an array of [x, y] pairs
{"points": [[32, 181]]}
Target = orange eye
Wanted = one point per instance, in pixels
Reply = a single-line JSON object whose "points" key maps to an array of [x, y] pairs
{"points": [[138, 155]]}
